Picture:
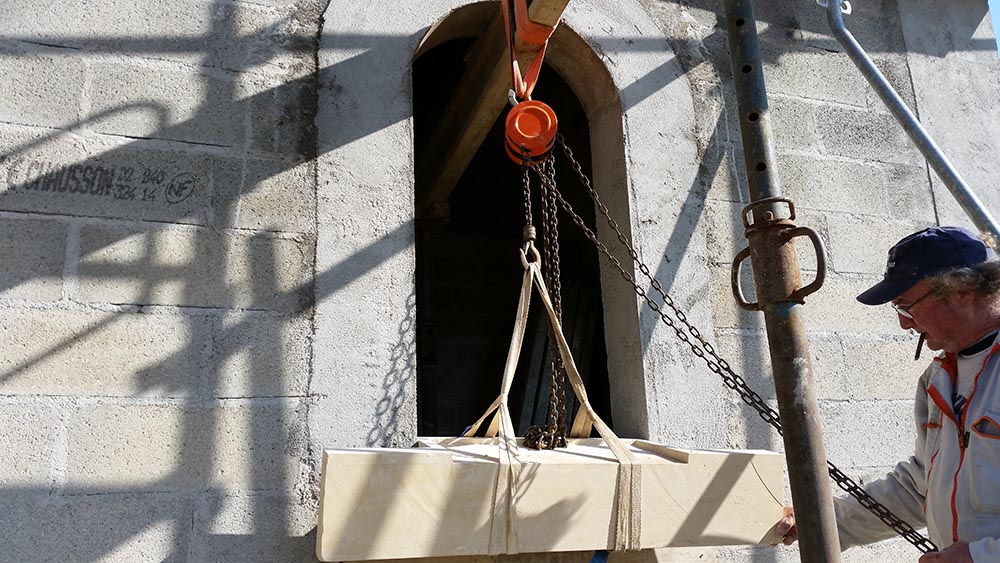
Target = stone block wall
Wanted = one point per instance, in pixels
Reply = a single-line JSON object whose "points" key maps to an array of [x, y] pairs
{"points": [[157, 213], [208, 256], [857, 180]]}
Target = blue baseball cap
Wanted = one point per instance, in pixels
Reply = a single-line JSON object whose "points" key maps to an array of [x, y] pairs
{"points": [[927, 253]]}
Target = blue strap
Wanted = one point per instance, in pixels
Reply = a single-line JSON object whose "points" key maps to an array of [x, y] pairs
{"points": [[600, 556]]}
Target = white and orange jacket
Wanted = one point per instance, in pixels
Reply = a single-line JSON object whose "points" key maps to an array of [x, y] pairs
{"points": [[952, 482]]}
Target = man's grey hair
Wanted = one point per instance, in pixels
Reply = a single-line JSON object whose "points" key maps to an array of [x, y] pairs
{"points": [[982, 278]]}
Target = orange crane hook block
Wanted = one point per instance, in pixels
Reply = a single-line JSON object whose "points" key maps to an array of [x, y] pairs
{"points": [[530, 130]]}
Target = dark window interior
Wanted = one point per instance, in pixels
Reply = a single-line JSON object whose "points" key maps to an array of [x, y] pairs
{"points": [[469, 274]]}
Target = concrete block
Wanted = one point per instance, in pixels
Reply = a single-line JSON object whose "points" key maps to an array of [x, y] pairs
{"points": [[960, 107], [172, 447], [269, 272], [725, 312], [167, 186], [867, 188], [32, 271], [364, 374], [896, 69], [723, 172], [850, 251], [723, 225], [874, 24], [257, 356], [254, 528], [749, 431], [157, 266], [40, 88], [263, 39], [791, 68], [227, 184], [166, 30], [59, 352], [282, 112], [28, 442], [835, 308], [130, 528], [277, 196], [868, 434], [676, 384], [845, 368], [382, 211], [676, 261], [865, 135], [164, 101], [748, 355], [241, 36], [192, 267], [881, 368], [860, 437], [949, 210], [794, 123], [839, 130], [61, 174]]}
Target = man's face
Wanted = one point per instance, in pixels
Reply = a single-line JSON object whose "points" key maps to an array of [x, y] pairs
{"points": [[942, 322]]}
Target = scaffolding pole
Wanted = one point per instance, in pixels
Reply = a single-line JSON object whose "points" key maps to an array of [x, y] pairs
{"points": [[770, 229]]}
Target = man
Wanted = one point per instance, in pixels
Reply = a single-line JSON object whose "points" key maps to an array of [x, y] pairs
{"points": [[944, 283]]}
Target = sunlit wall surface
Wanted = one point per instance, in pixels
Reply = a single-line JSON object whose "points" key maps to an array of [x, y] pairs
{"points": [[207, 230]]}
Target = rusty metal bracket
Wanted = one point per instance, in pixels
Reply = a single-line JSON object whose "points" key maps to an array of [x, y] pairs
{"points": [[768, 218], [800, 294], [786, 231], [735, 282]]}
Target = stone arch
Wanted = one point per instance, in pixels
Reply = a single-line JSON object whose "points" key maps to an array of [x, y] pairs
{"points": [[621, 68]]}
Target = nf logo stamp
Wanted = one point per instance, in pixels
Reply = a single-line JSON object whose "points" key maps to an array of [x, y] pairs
{"points": [[180, 187]]}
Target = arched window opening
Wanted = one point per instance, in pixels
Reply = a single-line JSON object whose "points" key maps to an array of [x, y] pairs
{"points": [[468, 272]]}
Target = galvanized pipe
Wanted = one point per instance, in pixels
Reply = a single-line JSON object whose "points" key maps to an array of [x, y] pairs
{"points": [[777, 279], [971, 204]]}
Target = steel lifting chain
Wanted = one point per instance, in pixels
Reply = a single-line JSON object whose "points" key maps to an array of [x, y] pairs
{"points": [[553, 434], [529, 223], [704, 350], [550, 207]]}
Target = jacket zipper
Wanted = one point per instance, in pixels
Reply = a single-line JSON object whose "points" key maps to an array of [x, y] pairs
{"points": [[963, 439]]}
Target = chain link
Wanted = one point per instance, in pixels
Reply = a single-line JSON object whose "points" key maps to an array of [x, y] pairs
{"points": [[553, 276], [526, 189], [553, 435], [706, 351]]}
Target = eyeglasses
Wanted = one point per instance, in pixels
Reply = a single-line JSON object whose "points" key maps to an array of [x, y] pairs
{"points": [[905, 310]]}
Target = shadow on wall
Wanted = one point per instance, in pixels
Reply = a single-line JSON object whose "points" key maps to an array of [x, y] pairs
{"points": [[402, 369], [159, 316]]}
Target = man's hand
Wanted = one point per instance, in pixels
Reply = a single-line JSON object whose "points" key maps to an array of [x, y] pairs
{"points": [[954, 553], [789, 533]]}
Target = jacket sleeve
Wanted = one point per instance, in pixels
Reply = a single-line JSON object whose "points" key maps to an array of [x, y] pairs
{"points": [[986, 550], [901, 491]]}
